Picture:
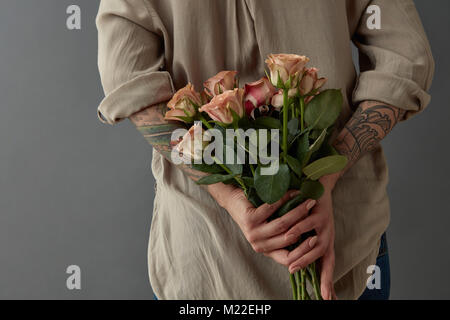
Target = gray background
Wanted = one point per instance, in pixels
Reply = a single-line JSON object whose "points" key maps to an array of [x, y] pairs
{"points": [[74, 191]]}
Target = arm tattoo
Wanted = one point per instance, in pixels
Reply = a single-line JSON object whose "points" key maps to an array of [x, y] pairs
{"points": [[370, 123], [157, 131]]}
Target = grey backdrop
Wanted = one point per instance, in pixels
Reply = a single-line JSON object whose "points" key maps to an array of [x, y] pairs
{"points": [[74, 191]]}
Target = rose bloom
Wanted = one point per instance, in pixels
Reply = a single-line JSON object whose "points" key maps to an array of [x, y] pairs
{"points": [[286, 65], [277, 99], [311, 81], [181, 106], [257, 94], [219, 109], [221, 82], [192, 144]]}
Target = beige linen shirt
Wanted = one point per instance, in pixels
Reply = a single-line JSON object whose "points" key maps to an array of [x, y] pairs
{"points": [[150, 48]]}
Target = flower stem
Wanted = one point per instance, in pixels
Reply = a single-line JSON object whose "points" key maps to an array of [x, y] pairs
{"points": [[294, 286], [302, 113], [303, 278], [299, 285], [285, 122], [315, 281]]}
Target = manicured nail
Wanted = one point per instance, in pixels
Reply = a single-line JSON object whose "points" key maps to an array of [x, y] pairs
{"points": [[294, 194], [310, 204], [291, 237], [294, 269], [313, 242]]}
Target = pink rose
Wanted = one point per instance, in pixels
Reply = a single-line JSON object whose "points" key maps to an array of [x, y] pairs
{"points": [[278, 99], [221, 82], [219, 109], [286, 66], [181, 103], [193, 144], [311, 81], [257, 94]]}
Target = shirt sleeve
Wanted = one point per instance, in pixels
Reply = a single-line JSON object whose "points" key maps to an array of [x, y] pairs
{"points": [[396, 62], [130, 59]]}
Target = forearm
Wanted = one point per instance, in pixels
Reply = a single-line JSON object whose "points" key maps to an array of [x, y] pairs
{"points": [[370, 124], [157, 131]]}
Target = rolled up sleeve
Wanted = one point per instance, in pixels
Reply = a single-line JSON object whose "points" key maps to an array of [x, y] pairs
{"points": [[130, 59], [396, 62]]}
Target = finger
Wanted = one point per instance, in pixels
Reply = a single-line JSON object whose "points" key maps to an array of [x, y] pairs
{"points": [[263, 212], [284, 223], [326, 275], [317, 252], [304, 226], [305, 247], [279, 256], [274, 243]]}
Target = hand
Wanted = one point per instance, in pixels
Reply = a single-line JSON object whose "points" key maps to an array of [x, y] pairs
{"points": [[263, 236], [319, 246]]}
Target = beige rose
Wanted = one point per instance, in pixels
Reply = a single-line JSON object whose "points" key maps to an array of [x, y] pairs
{"points": [[311, 81], [219, 109], [181, 103], [286, 66], [221, 82], [193, 143]]}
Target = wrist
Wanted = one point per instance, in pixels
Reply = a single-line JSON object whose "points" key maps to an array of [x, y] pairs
{"points": [[329, 181]]}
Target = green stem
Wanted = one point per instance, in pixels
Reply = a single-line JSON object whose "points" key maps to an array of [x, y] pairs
{"points": [[303, 278], [315, 281], [285, 122], [294, 286], [299, 285], [203, 120], [302, 113], [238, 180], [252, 168]]}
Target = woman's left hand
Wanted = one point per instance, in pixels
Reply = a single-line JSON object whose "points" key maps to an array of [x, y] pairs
{"points": [[321, 246]]}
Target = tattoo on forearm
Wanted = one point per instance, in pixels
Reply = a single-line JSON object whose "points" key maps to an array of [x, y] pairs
{"points": [[158, 131], [370, 123]]}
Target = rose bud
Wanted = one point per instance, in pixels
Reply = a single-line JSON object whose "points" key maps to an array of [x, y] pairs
{"points": [[219, 109], [181, 103], [311, 82], [278, 99], [257, 94], [286, 66], [221, 82], [193, 144]]}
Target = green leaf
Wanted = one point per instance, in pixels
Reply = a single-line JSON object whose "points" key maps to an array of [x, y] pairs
{"points": [[203, 167], [314, 147], [214, 178], [318, 143], [248, 181], [293, 126], [271, 188], [323, 111], [312, 189], [295, 183], [295, 165], [253, 198], [325, 166], [267, 123], [302, 148]]}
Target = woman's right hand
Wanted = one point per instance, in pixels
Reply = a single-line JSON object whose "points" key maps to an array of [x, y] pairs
{"points": [[264, 236]]}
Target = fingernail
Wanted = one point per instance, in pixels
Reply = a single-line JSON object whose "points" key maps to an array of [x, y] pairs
{"points": [[313, 242], [294, 194], [294, 269], [291, 237], [310, 204]]}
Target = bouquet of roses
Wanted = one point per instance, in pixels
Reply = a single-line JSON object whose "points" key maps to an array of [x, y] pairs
{"points": [[268, 137]]}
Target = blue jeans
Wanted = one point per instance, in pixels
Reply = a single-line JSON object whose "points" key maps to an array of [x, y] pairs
{"points": [[383, 263]]}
